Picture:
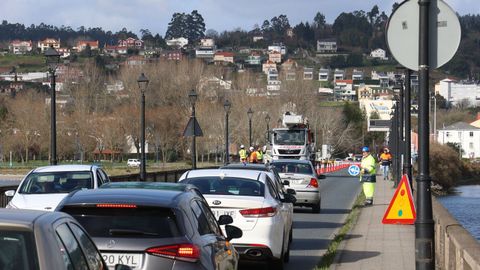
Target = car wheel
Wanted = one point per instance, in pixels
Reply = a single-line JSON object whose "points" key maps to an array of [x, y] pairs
{"points": [[277, 264], [316, 208]]}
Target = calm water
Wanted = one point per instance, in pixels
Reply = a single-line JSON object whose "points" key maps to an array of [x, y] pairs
{"points": [[464, 205]]}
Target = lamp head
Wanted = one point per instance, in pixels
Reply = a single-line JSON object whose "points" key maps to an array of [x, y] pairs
{"points": [[142, 82], [250, 113], [227, 105], [192, 96], [52, 58]]}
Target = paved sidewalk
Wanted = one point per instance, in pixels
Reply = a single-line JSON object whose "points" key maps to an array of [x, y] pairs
{"points": [[372, 245]]}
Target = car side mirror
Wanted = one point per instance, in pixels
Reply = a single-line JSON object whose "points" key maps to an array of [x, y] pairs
{"points": [[225, 220], [286, 183], [321, 176], [291, 191], [290, 198], [9, 193], [233, 232], [122, 267]]}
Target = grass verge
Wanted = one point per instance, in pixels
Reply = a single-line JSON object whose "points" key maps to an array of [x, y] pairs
{"points": [[329, 256]]}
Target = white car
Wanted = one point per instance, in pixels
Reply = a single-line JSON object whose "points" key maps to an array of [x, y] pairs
{"points": [[303, 179], [133, 162], [43, 188], [254, 203]]}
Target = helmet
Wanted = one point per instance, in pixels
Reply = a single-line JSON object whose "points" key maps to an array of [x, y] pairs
{"points": [[242, 146], [365, 149], [251, 148]]}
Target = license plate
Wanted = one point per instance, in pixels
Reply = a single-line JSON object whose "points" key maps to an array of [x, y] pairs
{"points": [[130, 259], [218, 213]]}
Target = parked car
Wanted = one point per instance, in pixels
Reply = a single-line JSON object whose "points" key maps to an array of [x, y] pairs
{"points": [[41, 240], [154, 226], [303, 179], [250, 197], [44, 187], [133, 163]]}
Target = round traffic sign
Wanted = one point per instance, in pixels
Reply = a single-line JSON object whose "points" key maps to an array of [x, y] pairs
{"points": [[403, 34], [354, 170]]}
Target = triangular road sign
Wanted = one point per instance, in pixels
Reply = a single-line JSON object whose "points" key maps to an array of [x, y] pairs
{"points": [[401, 209], [189, 131]]}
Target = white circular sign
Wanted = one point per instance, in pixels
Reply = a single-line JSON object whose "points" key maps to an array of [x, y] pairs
{"points": [[354, 170], [403, 34]]}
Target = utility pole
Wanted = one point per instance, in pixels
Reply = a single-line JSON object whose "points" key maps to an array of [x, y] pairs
{"points": [[407, 162]]}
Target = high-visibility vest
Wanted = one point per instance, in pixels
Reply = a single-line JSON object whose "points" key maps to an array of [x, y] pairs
{"points": [[259, 155], [242, 153], [253, 157]]}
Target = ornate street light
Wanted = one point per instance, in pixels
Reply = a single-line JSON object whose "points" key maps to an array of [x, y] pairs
{"points": [[192, 96], [267, 121], [226, 105], [52, 58], [142, 84], [250, 115]]}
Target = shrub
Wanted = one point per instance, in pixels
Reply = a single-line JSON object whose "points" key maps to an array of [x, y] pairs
{"points": [[445, 166]]}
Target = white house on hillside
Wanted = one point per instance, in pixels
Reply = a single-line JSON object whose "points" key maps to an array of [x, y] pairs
{"points": [[466, 135], [177, 42], [379, 53], [454, 92]]}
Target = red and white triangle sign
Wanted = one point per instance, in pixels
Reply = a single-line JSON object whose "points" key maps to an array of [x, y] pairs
{"points": [[401, 209]]}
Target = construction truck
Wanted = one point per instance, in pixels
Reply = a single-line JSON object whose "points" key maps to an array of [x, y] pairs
{"points": [[294, 140]]}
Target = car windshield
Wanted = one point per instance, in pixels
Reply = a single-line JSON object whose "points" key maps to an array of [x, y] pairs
{"points": [[286, 167], [149, 222], [56, 182], [17, 250], [289, 137], [227, 186]]}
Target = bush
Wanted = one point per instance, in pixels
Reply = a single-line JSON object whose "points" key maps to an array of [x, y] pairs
{"points": [[445, 166]]}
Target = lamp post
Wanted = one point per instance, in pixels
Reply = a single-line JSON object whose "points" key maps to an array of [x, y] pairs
{"points": [[142, 84], [250, 114], [226, 105], [52, 59], [192, 96], [267, 121], [434, 118]]}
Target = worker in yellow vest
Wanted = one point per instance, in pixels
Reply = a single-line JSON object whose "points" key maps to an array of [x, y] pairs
{"points": [[242, 153], [259, 154]]}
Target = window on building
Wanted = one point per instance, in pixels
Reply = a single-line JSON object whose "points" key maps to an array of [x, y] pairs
{"points": [[470, 145], [471, 133], [447, 134]]}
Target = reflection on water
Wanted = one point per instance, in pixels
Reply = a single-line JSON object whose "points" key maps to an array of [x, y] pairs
{"points": [[464, 205]]}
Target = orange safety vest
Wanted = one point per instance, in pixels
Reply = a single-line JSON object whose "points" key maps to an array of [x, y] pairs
{"points": [[253, 157]]}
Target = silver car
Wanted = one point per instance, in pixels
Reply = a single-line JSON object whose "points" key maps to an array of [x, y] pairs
{"points": [[41, 240], [154, 226], [303, 179]]}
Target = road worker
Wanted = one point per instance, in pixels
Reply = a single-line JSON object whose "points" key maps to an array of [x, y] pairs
{"points": [[368, 174], [242, 153]]}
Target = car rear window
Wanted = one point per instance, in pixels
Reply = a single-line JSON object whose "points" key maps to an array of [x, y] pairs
{"points": [[227, 186], [141, 222], [285, 167], [56, 182], [17, 251]]}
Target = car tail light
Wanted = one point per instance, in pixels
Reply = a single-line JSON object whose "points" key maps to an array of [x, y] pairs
{"points": [[116, 205], [259, 212], [183, 252], [313, 183]]}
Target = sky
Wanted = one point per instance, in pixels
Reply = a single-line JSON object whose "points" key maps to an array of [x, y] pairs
{"points": [[219, 15]]}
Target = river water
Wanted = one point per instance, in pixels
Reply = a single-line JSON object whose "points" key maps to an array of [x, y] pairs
{"points": [[464, 205]]}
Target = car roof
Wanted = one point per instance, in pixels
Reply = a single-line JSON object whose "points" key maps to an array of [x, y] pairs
{"points": [[63, 168], [249, 174], [301, 161], [146, 197], [246, 166], [149, 185], [23, 217]]}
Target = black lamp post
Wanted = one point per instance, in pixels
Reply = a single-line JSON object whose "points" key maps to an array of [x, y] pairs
{"points": [[142, 84], [52, 60], [250, 114], [192, 96], [267, 121], [226, 105]]}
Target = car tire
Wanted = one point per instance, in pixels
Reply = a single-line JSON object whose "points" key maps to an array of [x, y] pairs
{"points": [[277, 264], [316, 208], [286, 258]]}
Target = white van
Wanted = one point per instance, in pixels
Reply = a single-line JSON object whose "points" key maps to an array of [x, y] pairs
{"points": [[133, 162]]}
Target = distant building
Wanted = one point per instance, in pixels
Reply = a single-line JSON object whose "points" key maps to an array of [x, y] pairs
{"points": [[131, 43], [357, 74], [282, 49], [338, 74], [275, 56], [383, 77], [254, 59], [326, 46], [175, 55], [206, 49], [343, 90], [82, 45], [308, 73], [379, 54], [177, 42], [207, 42], [257, 38], [467, 136], [324, 75], [268, 65], [455, 92], [223, 57], [20, 46], [47, 43]]}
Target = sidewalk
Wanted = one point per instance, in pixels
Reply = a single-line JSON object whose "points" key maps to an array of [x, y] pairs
{"points": [[372, 245]]}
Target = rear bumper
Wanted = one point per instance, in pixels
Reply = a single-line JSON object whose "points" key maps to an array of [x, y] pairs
{"points": [[307, 197], [253, 253]]}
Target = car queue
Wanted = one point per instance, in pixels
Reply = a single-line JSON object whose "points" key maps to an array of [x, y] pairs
{"points": [[211, 219]]}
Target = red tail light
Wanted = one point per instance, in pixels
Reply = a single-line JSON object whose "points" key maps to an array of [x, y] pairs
{"points": [[313, 183], [259, 212], [184, 252], [116, 205]]}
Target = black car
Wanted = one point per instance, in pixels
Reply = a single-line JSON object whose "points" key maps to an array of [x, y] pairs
{"points": [[154, 226]]}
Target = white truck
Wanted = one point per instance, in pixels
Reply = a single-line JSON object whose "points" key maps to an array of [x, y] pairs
{"points": [[294, 140]]}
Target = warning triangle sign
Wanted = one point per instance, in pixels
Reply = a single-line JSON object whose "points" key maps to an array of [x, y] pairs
{"points": [[401, 209]]}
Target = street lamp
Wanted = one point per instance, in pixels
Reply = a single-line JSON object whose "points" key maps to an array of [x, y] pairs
{"points": [[142, 84], [250, 114], [267, 121], [52, 60], [192, 96], [226, 105], [434, 118]]}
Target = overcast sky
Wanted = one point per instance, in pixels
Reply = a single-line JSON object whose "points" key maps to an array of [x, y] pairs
{"points": [[218, 14]]}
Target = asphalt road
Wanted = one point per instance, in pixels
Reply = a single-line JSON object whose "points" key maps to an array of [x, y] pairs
{"points": [[312, 233]]}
